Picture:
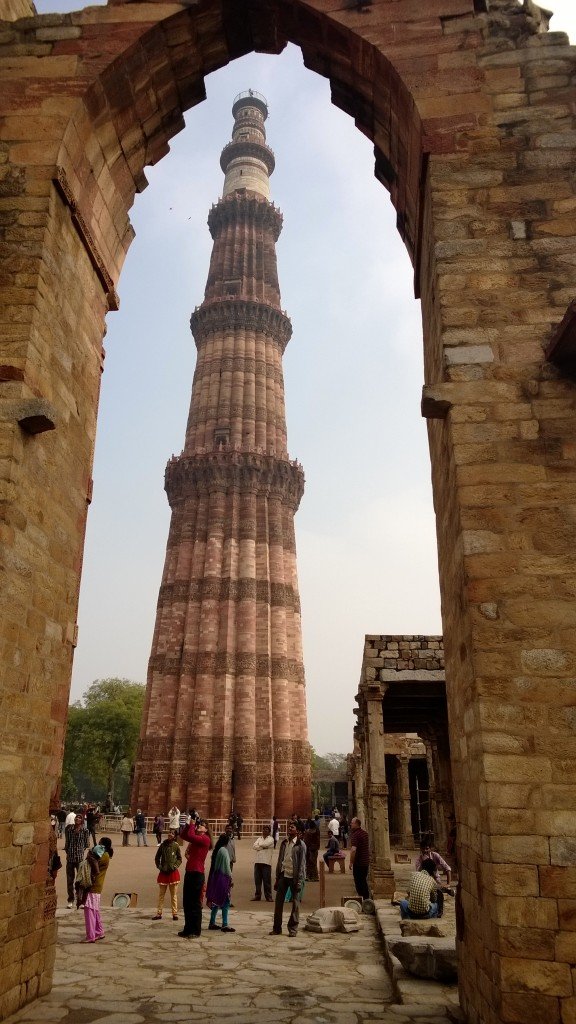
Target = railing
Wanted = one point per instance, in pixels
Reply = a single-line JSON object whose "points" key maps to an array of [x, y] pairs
{"points": [[250, 826], [250, 94]]}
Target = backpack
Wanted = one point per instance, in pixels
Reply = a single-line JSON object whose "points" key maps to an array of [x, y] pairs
{"points": [[83, 875], [168, 858]]}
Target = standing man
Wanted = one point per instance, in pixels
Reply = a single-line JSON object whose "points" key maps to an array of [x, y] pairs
{"points": [[359, 857], [140, 828], [290, 874], [92, 819], [264, 847], [76, 843], [334, 826], [127, 827], [69, 819], [312, 841]]}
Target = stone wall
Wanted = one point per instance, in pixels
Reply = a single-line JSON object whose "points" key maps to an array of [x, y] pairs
{"points": [[11, 10], [405, 653]]}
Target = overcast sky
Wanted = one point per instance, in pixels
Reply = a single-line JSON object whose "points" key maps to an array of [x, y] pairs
{"points": [[353, 375]]}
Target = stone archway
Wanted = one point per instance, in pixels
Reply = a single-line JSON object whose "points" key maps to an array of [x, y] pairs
{"points": [[470, 106]]}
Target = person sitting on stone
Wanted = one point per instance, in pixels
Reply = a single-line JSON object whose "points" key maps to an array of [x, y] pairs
{"points": [[425, 897], [332, 849], [428, 853]]}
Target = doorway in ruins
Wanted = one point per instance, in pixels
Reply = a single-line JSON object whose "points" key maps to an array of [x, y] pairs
{"points": [[353, 375]]}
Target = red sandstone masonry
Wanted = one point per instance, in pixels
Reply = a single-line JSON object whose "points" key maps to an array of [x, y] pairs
{"points": [[226, 726]]}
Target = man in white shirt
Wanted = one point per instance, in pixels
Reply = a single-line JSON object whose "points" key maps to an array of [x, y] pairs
{"points": [[334, 827], [264, 847], [70, 818]]}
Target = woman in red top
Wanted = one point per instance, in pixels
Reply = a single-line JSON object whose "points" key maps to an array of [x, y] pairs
{"points": [[199, 842]]}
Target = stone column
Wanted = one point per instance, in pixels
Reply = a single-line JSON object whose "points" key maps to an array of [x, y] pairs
{"points": [[405, 809], [359, 809], [381, 875], [434, 824], [440, 786]]}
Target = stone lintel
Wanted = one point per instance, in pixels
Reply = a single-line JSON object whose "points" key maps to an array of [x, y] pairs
{"points": [[390, 675]]}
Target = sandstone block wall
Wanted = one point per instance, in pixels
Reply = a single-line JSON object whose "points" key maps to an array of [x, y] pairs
{"points": [[404, 653]]}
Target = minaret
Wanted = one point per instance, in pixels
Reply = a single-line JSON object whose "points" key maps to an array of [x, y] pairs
{"points": [[225, 715]]}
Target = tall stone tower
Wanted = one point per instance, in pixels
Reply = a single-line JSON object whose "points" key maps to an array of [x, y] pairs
{"points": [[225, 715]]}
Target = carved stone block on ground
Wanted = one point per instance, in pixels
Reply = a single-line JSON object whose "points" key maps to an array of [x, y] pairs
{"points": [[333, 919], [427, 957]]}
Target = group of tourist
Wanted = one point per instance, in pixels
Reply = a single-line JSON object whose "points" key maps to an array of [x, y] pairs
{"points": [[297, 861]]}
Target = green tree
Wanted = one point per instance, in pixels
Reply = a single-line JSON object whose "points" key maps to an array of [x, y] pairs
{"points": [[102, 736], [331, 762]]}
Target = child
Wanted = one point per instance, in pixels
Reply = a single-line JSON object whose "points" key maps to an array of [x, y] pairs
{"points": [[168, 859]]}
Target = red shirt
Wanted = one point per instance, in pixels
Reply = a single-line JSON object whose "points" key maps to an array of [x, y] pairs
{"points": [[359, 839], [199, 846]]}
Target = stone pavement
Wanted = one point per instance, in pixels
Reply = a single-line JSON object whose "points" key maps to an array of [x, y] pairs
{"points": [[142, 973]]}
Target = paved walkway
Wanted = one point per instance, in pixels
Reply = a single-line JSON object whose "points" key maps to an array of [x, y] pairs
{"points": [[142, 973]]}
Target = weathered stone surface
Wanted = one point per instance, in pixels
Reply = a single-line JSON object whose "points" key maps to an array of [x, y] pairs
{"points": [[333, 919], [427, 958], [422, 928]]}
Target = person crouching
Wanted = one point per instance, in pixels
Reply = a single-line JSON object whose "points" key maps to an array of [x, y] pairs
{"points": [[425, 897]]}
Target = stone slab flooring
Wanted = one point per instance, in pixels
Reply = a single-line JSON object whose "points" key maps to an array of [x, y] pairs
{"points": [[142, 973]]}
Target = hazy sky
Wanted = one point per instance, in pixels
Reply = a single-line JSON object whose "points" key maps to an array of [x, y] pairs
{"points": [[353, 376]]}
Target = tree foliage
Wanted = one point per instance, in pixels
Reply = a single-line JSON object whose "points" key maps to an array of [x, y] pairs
{"points": [[102, 736], [331, 762]]}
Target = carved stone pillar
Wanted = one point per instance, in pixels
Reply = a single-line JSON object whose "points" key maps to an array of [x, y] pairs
{"points": [[440, 784], [381, 876], [404, 805], [432, 801], [358, 806]]}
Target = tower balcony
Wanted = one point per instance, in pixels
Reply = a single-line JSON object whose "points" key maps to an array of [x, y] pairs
{"points": [[228, 313], [245, 149], [250, 98], [250, 207], [232, 468]]}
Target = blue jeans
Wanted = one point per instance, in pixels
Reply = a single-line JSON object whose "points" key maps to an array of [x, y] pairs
{"points": [[141, 837], [406, 912]]}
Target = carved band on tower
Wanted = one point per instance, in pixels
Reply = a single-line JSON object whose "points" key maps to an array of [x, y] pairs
{"points": [[225, 715]]}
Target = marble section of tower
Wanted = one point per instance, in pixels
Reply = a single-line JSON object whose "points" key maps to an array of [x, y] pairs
{"points": [[225, 714]]}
